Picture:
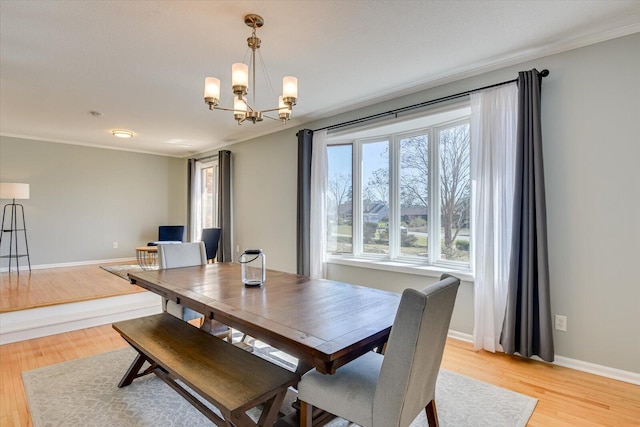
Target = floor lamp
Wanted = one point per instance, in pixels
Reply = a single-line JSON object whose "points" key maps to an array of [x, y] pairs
{"points": [[14, 191]]}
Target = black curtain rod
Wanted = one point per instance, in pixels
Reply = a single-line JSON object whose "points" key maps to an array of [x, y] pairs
{"points": [[206, 158], [543, 73]]}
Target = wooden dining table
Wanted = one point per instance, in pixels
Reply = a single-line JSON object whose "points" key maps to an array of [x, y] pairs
{"points": [[323, 323]]}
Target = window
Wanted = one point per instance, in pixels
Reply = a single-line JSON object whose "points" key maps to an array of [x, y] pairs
{"points": [[402, 191], [374, 213], [339, 200], [205, 200]]}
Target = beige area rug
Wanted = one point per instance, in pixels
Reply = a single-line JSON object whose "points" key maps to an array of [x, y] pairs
{"points": [[84, 392]]}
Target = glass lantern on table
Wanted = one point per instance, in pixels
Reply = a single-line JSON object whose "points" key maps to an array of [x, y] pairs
{"points": [[253, 267]]}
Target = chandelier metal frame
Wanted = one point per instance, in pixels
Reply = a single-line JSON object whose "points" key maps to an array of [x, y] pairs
{"points": [[242, 110]]}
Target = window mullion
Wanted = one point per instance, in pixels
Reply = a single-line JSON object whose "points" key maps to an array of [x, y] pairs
{"points": [[356, 211], [394, 197], [434, 197]]}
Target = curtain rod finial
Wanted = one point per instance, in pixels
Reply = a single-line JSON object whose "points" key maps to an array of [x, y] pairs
{"points": [[544, 73]]}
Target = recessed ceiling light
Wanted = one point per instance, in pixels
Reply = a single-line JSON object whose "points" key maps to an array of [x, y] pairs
{"points": [[121, 133]]}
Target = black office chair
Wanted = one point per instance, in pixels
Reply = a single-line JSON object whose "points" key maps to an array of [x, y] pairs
{"points": [[211, 238], [169, 234]]}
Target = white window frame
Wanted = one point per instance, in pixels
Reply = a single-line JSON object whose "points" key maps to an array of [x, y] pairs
{"points": [[197, 202], [433, 265]]}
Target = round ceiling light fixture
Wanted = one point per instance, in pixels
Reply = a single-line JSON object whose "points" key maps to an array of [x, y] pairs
{"points": [[122, 133]]}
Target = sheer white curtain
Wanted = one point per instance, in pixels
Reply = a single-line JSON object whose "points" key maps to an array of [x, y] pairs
{"points": [[493, 154], [194, 199], [318, 204]]}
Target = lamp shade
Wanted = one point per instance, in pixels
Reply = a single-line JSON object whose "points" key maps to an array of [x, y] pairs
{"points": [[290, 87], [240, 74], [239, 106], [14, 190], [212, 88]]}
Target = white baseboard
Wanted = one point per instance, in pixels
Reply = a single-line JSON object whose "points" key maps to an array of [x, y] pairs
{"points": [[25, 267], [460, 336], [578, 365], [39, 322], [603, 371]]}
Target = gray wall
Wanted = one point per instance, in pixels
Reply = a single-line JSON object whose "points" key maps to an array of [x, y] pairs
{"points": [[83, 199], [591, 150], [264, 191]]}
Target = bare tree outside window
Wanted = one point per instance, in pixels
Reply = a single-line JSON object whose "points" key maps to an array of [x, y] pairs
{"points": [[339, 200], [414, 195], [377, 188], [455, 192], [339, 188], [412, 183], [375, 202]]}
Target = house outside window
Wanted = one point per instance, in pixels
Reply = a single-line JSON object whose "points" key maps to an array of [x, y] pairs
{"points": [[401, 191]]}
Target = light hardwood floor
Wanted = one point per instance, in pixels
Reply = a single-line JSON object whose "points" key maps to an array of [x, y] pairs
{"points": [[54, 286], [565, 397]]}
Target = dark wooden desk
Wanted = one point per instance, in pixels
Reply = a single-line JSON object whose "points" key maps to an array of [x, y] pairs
{"points": [[325, 324]]}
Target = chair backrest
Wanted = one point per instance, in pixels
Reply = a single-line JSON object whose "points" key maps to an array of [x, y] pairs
{"points": [[414, 351], [171, 233], [211, 238], [181, 255]]}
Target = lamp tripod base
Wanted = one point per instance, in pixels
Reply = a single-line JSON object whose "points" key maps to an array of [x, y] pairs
{"points": [[12, 229]]}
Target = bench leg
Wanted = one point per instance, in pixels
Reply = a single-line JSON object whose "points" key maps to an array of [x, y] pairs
{"points": [[134, 370], [271, 409], [171, 382]]}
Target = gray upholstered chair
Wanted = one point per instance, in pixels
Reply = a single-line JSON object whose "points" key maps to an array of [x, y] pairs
{"points": [[390, 390], [188, 255]]}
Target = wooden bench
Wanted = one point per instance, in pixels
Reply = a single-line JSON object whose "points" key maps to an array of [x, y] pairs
{"points": [[228, 377]]}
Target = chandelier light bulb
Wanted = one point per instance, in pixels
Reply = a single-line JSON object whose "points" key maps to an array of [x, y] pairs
{"points": [[240, 77], [239, 109], [212, 90], [289, 87]]}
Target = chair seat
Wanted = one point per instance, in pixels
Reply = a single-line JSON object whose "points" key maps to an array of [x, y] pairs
{"points": [[349, 392], [182, 312], [390, 390]]}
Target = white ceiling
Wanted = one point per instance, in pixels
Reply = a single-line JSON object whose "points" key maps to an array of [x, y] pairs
{"points": [[142, 64]]}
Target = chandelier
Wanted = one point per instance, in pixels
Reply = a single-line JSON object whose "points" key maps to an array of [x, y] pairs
{"points": [[242, 109]]}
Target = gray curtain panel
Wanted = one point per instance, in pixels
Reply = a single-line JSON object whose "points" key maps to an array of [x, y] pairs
{"points": [[527, 327], [191, 179], [224, 206], [305, 140]]}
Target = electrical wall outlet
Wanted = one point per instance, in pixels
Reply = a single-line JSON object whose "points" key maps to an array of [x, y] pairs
{"points": [[561, 323], [115, 245], [238, 248]]}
